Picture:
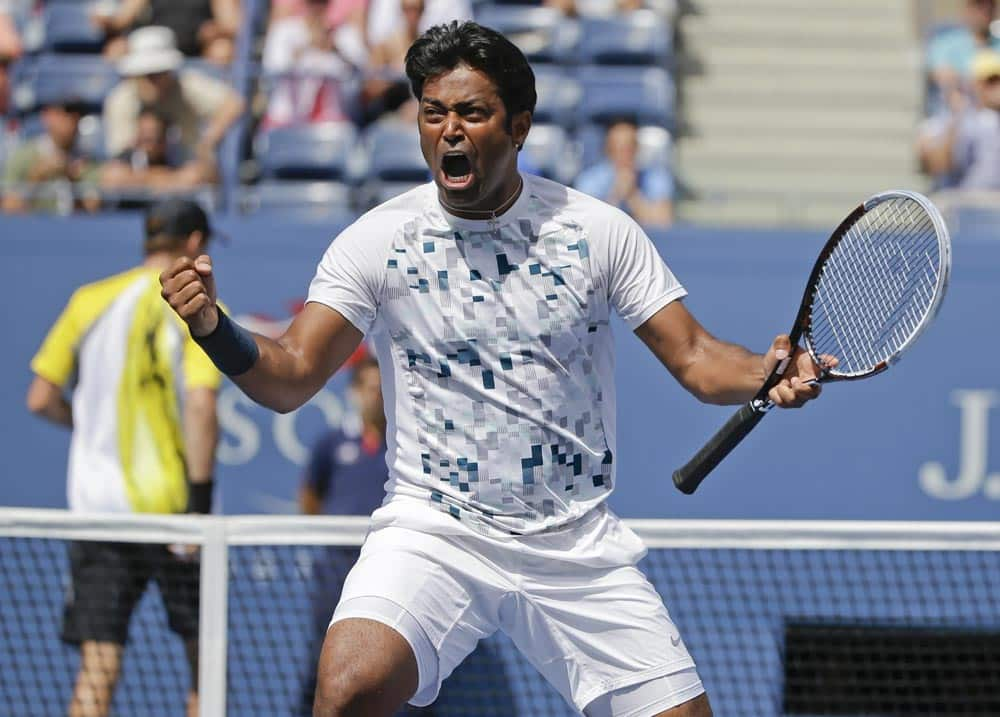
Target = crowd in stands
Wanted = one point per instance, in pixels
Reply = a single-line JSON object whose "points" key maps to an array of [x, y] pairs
{"points": [[108, 103], [959, 143]]}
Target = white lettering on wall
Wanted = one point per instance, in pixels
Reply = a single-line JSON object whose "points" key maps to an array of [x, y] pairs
{"points": [[972, 476]]}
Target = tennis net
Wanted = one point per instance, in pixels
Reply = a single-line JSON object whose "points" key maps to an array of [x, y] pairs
{"points": [[783, 618]]}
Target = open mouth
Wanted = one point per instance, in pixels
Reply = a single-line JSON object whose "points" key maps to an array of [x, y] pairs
{"points": [[456, 170]]}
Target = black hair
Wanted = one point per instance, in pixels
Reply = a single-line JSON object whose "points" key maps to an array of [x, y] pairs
{"points": [[445, 47]]}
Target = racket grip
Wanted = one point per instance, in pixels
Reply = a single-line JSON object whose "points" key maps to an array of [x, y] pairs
{"points": [[688, 477]]}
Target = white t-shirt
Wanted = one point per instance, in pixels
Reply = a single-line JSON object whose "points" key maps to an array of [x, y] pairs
{"points": [[496, 352]]}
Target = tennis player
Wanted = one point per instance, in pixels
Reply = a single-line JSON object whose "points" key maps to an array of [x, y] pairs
{"points": [[143, 417], [488, 295]]}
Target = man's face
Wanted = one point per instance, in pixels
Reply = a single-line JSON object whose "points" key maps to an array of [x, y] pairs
{"points": [[61, 124], [367, 390], [156, 85], [979, 14], [464, 137], [622, 144], [151, 138]]}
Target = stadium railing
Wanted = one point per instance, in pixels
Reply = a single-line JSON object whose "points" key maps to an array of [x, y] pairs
{"points": [[782, 617]]}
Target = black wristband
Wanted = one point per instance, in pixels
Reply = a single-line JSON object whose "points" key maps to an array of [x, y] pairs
{"points": [[231, 347], [200, 497]]}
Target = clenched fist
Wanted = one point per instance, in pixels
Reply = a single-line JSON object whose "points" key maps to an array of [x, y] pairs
{"points": [[189, 288]]}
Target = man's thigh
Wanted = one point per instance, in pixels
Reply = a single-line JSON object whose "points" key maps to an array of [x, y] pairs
{"points": [[440, 595]]}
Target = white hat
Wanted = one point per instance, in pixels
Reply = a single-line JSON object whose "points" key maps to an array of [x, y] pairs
{"points": [[150, 50]]}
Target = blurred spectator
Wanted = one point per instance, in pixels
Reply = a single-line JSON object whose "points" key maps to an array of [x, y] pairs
{"points": [[950, 53], [10, 40], [149, 164], [10, 50], [8, 122], [202, 108], [645, 193], [203, 28], [386, 19], [968, 147], [386, 88], [339, 13], [49, 172], [312, 74]]}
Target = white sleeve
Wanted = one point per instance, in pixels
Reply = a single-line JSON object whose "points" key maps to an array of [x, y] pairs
{"points": [[350, 276], [639, 282]]}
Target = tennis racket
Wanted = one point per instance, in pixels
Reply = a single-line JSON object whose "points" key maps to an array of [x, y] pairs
{"points": [[876, 285]]}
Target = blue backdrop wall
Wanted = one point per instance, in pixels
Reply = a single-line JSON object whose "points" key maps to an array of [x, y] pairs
{"points": [[914, 443]]}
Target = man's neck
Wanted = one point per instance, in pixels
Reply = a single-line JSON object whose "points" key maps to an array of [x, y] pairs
{"points": [[493, 207]]}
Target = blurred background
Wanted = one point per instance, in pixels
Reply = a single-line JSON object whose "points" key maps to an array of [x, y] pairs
{"points": [[738, 133]]}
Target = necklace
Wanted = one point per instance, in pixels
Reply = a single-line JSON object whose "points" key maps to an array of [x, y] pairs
{"points": [[486, 213]]}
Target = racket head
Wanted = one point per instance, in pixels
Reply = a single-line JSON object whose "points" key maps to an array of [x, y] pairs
{"points": [[877, 284]]}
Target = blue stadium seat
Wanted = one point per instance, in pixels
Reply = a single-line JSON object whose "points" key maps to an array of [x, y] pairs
{"points": [[67, 28], [53, 77], [646, 94], [551, 152], [543, 34], [308, 201], [640, 37], [394, 153], [558, 95], [317, 151], [655, 145]]}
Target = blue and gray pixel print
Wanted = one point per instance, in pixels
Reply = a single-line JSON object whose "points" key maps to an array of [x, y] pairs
{"points": [[495, 332]]}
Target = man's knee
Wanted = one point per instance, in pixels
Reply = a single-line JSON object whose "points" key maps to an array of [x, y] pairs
{"points": [[365, 669], [341, 692]]}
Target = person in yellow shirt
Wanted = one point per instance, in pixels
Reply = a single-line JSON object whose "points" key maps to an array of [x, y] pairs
{"points": [[144, 431]]}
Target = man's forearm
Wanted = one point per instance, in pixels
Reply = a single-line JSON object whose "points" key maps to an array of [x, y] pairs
{"points": [[726, 373], [282, 374], [278, 379], [45, 399], [59, 412]]}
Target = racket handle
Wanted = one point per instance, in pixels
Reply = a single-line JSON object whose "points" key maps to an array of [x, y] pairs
{"points": [[688, 477]]}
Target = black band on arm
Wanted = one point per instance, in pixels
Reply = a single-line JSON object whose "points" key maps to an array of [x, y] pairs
{"points": [[200, 497], [231, 347]]}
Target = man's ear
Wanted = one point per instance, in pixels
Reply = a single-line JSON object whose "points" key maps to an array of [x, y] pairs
{"points": [[519, 127]]}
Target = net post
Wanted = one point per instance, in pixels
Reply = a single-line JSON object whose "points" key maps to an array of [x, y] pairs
{"points": [[213, 622]]}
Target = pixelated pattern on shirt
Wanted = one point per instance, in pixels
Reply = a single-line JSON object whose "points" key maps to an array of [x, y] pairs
{"points": [[495, 332]]}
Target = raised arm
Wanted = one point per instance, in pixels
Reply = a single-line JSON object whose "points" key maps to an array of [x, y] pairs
{"points": [[281, 374], [723, 373]]}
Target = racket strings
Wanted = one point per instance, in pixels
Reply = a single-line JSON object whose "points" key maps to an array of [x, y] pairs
{"points": [[876, 287], [890, 311]]}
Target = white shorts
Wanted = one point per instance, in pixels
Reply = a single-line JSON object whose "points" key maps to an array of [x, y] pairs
{"points": [[590, 631]]}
